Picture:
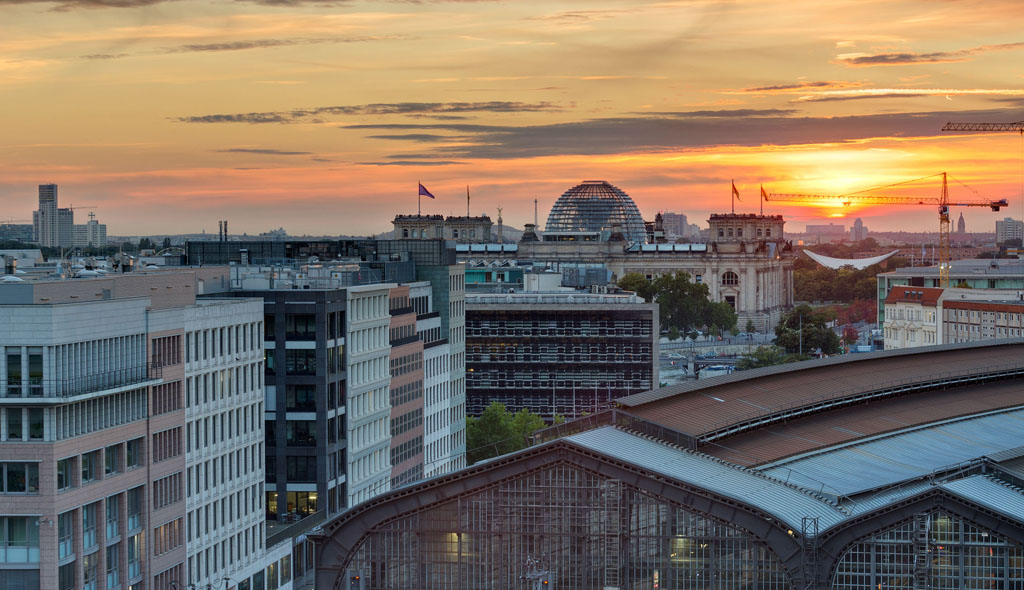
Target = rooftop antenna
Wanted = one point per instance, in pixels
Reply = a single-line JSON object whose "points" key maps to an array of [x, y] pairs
{"points": [[467, 201], [500, 240], [535, 213]]}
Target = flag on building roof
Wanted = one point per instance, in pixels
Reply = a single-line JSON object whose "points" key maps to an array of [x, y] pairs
{"points": [[424, 192]]}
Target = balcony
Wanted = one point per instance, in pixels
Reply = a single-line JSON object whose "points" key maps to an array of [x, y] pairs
{"points": [[75, 386]]}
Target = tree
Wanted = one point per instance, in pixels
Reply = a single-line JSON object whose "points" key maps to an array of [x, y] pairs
{"points": [[681, 302], [814, 334], [766, 356], [673, 333], [638, 284], [721, 315], [146, 244], [497, 431], [751, 327]]}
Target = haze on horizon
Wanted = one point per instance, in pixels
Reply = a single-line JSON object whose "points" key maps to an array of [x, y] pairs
{"points": [[322, 116]]}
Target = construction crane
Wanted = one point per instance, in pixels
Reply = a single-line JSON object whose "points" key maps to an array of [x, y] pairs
{"points": [[72, 206], [969, 127], [942, 201]]}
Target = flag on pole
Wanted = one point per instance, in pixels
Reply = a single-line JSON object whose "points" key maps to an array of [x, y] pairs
{"points": [[735, 192], [424, 192]]}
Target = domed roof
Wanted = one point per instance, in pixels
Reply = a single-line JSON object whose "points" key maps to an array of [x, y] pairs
{"points": [[593, 206]]}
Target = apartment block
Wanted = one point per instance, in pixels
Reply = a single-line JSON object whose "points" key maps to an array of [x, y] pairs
{"points": [[973, 321], [94, 437], [559, 353]]}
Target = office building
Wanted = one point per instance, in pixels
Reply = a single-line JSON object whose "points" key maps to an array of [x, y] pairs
{"points": [[106, 484], [52, 227], [16, 232], [92, 234], [747, 481], [924, 316], [976, 321], [859, 233], [558, 353], [1009, 229]]}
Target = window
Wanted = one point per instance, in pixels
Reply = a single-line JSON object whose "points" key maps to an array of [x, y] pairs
{"points": [[135, 552], [113, 565], [110, 459], [65, 534], [301, 433], [89, 526], [113, 510], [269, 364], [19, 539], [14, 424], [302, 502], [66, 577], [89, 571], [64, 470], [134, 500], [19, 478], [730, 278], [133, 453], [300, 362], [301, 398], [91, 466], [300, 326], [301, 469], [35, 424]]}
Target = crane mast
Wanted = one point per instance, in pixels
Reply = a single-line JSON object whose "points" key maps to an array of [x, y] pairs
{"points": [[941, 201]]}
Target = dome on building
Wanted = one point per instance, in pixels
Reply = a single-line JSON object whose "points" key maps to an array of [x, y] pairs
{"points": [[593, 206]]}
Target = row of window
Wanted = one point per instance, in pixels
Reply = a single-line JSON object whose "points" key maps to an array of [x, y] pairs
{"points": [[225, 512], [406, 393], [99, 464], [218, 342], [202, 433], [22, 424], [407, 422], [224, 384], [225, 469]]}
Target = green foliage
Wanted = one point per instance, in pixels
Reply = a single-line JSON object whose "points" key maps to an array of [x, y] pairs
{"points": [[844, 285], [750, 326], [638, 284], [815, 332], [498, 431], [767, 356], [673, 333], [146, 244]]}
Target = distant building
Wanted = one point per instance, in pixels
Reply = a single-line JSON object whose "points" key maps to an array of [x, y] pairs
{"points": [[596, 206], [675, 224], [961, 225], [1009, 229], [975, 275], [830, 230], [16, 232], [558, 353], [859, 233], [462, 229], [974, 321], [52, 227], [90, 235]]}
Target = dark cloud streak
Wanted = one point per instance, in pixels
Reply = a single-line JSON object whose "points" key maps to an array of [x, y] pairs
{"points": [[437, 110], [262, 151]]}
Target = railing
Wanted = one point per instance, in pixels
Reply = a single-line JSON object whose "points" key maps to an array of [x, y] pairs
{"points": [[856, 395], [428, 315], [614, 417], [402, 310], [296, 529], [405, 340], [80, 385]]}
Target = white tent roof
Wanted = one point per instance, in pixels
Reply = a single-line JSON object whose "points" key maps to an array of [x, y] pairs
{"points": [[858, 263]]}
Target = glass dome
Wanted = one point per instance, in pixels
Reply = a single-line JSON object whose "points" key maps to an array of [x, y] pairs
{"points": [[593, 206]]}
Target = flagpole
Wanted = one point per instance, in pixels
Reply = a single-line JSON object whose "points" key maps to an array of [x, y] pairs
{"points": [[419, 198], [762, 200], [732, 195]]}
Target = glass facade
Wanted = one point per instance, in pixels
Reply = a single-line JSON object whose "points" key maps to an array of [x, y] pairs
{"points": [[934, 550], [566, 526], [595, 206]]}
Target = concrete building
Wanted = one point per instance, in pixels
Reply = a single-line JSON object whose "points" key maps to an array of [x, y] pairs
{"points": [[102, 472], [976, 321], [462, 229], [1009, 229], [52, 227], [747, 262], [558, 353], [829, 230], [977, 275], [894, 469], [859, 233], [17, 232], [918, 316], [92, 234]]}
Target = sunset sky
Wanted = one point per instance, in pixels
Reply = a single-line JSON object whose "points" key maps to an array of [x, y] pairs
{"points": [[322, 116]]}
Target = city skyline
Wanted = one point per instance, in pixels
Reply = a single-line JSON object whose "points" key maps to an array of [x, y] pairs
{"points": [[170, 115]]}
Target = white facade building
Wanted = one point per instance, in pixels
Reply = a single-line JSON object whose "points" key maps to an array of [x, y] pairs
{"points": [[1009, 229], [369, 380], [224, 438]]}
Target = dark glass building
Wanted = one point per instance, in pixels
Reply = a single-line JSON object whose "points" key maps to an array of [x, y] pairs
{"points": [[558, 353]]}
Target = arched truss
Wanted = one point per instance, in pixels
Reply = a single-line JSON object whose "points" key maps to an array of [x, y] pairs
{"points": [[835, 543], [341, 539]]}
